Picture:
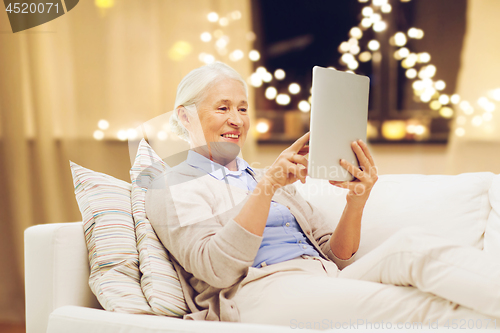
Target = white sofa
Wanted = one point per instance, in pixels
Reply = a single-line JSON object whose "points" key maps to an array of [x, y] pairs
{"points": [[465, 208]]}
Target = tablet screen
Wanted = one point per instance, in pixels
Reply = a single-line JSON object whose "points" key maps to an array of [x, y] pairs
{"points": [[339, 116]]}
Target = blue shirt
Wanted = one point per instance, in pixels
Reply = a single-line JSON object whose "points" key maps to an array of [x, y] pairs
{"points": [[283, 238]]}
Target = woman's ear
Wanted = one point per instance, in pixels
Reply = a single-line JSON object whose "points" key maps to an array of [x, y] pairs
{"points": [[183, 117]]}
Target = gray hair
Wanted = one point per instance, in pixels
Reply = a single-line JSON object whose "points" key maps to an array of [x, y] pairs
{"points": [[192, 90]]}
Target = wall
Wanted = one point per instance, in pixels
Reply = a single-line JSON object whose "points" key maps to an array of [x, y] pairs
{"points": [[479, 148]]}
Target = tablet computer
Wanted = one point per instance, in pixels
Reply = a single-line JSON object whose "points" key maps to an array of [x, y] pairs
{"points": [[339, 116]]}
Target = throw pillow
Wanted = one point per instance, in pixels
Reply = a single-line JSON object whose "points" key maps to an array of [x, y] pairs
{"points": [[106, 210], [159, 280]]}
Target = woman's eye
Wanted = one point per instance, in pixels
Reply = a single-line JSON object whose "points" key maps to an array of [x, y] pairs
{"points": [[243, 110], [222, 108]]}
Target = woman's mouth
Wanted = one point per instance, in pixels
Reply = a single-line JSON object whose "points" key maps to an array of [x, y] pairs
{"points": [[231, 137]]}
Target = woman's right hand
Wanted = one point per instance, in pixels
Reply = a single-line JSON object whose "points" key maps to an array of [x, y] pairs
{"points": [[290, 166]]}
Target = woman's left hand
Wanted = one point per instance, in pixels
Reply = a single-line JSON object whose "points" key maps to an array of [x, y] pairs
{"points": [[366, 174]]}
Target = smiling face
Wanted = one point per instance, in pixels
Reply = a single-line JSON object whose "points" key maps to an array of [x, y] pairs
{"points": [[223, 118]]}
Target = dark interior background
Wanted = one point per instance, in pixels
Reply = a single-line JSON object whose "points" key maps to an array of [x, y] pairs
{"points": [[296, 35]]}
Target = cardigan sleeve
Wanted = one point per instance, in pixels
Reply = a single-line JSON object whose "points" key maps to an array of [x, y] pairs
{"points": [[214, 250]]}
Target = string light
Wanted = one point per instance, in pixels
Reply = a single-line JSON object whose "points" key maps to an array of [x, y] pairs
{"points": [[394, 129], [236, 55], [435, 105], [477, 121], [261, 70], [409, 62], [236, 15], [206, 58], [283, 99], [461, 120], [424, 57], [379, 3], [353, 65], [131, 134], [356, 32], [495, 94], [411, 73], [98, 135], [122, 135], [482, 101], [255, 80], [490, 107], [344, 47], [213, 17], [294, 88], [222, 42], [379, 26], [104, 4], [366, 23], [419, 129], [206, 37], [223, 21], [250, 36], [487, 116], [347, 58], [367, 11], [271, 92], [413, 32], [387, 8], [254, 55], [373, 45], [455, 99], [365, 56], [267, 77], [103, 124], [375, 17], [400, 39], [459, 132], [466, 107], [279, 74], [446, 112], [354, 49], [304, 106], [440, 85], [418, 85], [425, 97], [444, 99], [262, 126]]}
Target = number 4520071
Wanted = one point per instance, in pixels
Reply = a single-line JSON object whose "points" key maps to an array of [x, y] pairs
{"points": [[25, 8]]}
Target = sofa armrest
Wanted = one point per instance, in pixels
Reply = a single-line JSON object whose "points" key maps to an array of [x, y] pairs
{"points": [[56, 271]]}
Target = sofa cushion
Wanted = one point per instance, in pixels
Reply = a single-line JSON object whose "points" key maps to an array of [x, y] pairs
{"points": [[455, 207], [108, 226], [492, 233], [159, 280]]}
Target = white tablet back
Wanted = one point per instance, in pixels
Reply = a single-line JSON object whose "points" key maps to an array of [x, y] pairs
{"points": [[339, 116]]}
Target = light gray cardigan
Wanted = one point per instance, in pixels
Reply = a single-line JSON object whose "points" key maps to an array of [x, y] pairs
{"points": [[193, 215]]}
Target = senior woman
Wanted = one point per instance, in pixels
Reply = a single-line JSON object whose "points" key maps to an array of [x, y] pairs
{"points": [[247, 247]]}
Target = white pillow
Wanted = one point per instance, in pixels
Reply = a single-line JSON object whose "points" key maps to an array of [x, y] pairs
{"points": [[106, 210], [492, 234], [455, 207], [159, 280]]}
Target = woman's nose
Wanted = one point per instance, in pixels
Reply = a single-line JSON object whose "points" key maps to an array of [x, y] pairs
{"points": [[235, 119]]}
